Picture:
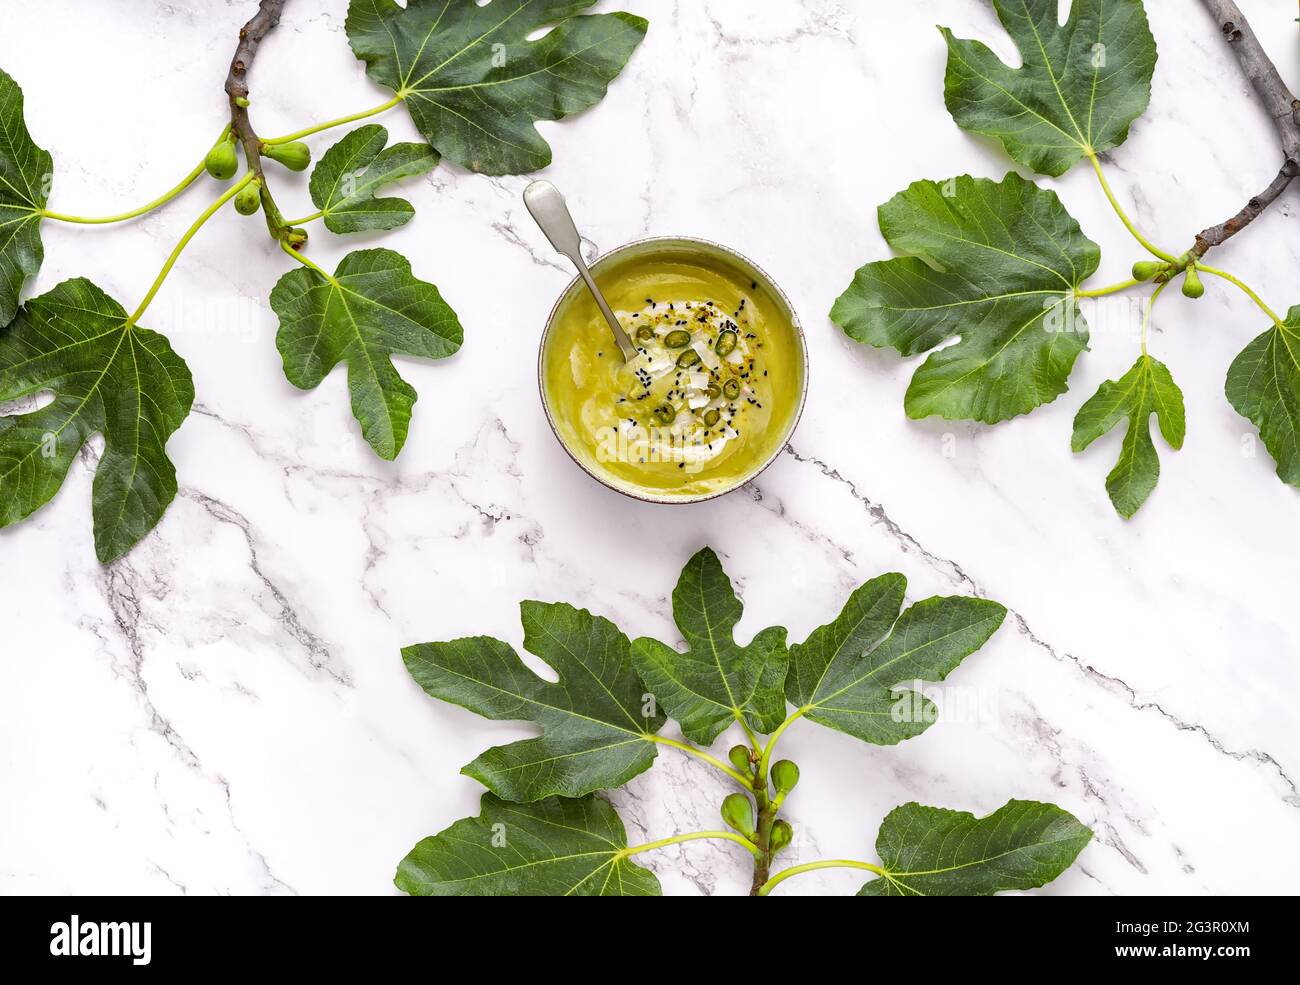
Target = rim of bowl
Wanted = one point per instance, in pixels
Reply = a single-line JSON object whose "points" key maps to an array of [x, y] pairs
{"points": [[646, 496]]}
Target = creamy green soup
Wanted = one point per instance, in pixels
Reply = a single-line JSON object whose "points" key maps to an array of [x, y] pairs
{"points": [[712, 393]]}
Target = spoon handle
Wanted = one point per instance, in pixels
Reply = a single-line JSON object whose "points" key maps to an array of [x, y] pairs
{"points": [[549, 211]]}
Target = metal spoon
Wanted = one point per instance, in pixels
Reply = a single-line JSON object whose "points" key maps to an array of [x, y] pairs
{"points": [[547, 207]]}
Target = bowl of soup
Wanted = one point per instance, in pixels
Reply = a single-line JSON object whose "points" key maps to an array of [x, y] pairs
{"points": [[714, 392]]}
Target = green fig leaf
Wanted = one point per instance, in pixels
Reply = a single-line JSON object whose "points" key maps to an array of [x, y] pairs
{"points": [[108, 377], [594, 735], [996, 264], [1079, 89], [369, 309], [344, 183], [853, 674], [929, 851], [25, 172], [1148, 388], [555, 847], [473, 82], [716, 681], [1264, 387]]}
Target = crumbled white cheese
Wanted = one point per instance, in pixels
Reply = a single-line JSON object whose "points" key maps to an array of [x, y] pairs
{"points": [[707, 355], [659, 366]]}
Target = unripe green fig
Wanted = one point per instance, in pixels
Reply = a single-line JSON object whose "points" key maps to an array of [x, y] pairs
{"points": [[249, 199], [294, 155], [739, 756], [1192, 286], [296, 236], [1146, 269], [785, 775], [738, 812], [222, 161], [782, 834]]}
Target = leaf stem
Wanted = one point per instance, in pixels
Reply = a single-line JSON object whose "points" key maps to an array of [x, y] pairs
{"points": [[1123, 216], [1249, 293], [830, 863], [306, 219], [750, 736], [771, 742], [1101, 292], [685, 747], [208, 213], [650, 846], [341, 121], [302, 259], [162, 199]]}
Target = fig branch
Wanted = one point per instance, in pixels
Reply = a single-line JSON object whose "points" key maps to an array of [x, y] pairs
{"points": [[221, 159], [1284, 110], [1279, 102], [1214, 236], [760, 821]]}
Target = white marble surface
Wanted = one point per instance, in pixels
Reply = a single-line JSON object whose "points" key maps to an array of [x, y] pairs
{"points": [[225, 710]]}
